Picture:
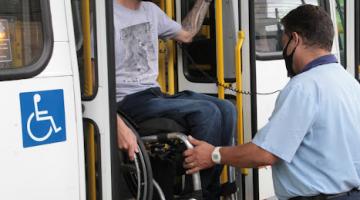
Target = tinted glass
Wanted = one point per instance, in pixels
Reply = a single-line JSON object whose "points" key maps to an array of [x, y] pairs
{"points": [[21, 33], [268, 29]]}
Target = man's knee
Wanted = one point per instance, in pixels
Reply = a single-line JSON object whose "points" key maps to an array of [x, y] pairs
{"points": [[228, 107], [208, 109]]}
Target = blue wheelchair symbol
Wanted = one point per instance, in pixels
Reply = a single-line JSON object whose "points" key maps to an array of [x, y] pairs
{"points": [[43, 117]]}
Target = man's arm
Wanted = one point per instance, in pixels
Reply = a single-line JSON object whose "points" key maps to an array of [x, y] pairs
{"points": [[247, 155], [244, 156], [126, 138], [193, 21]]}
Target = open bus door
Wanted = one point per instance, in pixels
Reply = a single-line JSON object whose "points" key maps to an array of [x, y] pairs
{"points": [[93, 23], [42, 154]]}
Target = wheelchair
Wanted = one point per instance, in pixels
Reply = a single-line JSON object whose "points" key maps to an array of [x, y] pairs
{"points": [[161, 138]]}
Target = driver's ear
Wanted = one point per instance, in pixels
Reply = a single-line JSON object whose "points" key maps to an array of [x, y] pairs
{"points": [[296, 37]]}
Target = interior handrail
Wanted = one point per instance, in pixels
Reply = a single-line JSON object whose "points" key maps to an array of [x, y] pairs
{"points": [[88, 72], [171, 52], [239, 100], [220, 63], [220, 48]]}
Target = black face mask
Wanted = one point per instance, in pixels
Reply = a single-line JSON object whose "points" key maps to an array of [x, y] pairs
{"points": [[289, 60]]}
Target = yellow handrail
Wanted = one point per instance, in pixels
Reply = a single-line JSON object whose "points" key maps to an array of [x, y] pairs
{"points": [[220, 47], [91, 159], [239, 101], [88, 72], [162, 50], [220, 62], [162, 72], [171, 52]]}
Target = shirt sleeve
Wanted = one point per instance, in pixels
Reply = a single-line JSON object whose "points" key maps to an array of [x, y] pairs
{"points": [[167, 27], [294, 113]]}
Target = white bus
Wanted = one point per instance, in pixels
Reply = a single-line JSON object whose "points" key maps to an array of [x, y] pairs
{"points": [[58, 107]]}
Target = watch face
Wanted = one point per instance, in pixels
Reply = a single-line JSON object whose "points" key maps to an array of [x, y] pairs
{"points": [[215, 156]]}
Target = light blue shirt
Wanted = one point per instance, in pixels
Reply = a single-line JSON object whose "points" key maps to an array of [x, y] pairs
{"points": [[315, 131]]}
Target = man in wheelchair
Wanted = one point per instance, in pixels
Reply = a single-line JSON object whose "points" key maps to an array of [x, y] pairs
{"points": [[138, 25]]}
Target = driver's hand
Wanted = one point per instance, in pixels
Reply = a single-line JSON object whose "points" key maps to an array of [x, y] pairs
{"points": [[126, 139]]}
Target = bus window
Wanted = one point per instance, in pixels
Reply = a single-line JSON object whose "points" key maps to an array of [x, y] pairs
{"points": [[25, 38], [85, 41], [199, 56], [340, 22], [268, 29]]}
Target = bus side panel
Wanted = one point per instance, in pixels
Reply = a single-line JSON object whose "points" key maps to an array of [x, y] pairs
{"points": [[45, 171]]}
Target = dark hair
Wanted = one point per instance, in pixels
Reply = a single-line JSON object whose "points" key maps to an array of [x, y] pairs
{"points": [[312, 23]]}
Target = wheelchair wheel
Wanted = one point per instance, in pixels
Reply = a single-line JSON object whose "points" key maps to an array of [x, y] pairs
{"points": [[138, 173]]}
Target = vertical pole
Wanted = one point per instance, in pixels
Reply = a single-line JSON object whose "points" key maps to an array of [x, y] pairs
{"points": [[171, 51], [239, 100], [220, 47], [88, 72]]}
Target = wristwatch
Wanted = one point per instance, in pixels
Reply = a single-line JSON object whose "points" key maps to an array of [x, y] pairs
{"points": [[215, 155]]}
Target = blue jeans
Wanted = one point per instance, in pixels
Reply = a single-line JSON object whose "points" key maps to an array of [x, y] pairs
{"points": [[208, 119]]}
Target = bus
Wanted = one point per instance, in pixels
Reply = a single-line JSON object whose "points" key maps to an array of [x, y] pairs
{"points": [[57, 82]]}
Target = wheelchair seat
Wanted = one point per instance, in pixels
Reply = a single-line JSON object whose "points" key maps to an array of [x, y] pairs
{"points": [[159, 126]]}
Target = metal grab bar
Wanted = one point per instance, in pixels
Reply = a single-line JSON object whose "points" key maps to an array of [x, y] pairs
{"points": [[166, 76], [171, 47], [91, 158], [162, 51], [239, 100], [220, 62], [88, 72], [220, 47]]}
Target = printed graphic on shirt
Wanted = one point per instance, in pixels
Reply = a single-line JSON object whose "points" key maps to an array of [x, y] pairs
{"points": [[139, 51]]}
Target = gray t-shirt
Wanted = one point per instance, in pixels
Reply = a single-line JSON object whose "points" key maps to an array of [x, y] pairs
{"points": [[136, 46]]}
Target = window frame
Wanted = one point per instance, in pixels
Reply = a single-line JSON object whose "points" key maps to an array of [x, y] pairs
{"points": [[35, 68], [202, 77]]}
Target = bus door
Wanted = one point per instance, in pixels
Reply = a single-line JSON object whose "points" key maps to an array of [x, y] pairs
{"points": [[41, 141], [93, 28], [268, 73]]}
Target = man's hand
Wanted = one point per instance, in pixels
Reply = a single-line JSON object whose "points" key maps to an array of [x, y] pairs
{"points": [[126, 139], [198, 158]]}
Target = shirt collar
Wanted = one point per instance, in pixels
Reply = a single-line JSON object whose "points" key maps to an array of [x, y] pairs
{"points": [[327, 59]]}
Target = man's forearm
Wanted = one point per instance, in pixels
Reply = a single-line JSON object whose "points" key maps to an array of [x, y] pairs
{"points": [[194, 19], [246, 156]]}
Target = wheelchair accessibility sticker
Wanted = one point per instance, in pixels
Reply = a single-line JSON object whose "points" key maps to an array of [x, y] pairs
{"points": [[43, 117]]}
